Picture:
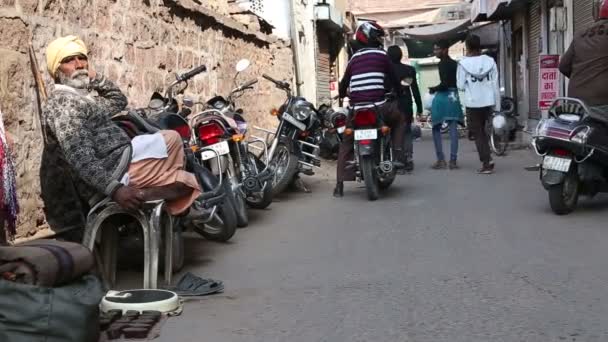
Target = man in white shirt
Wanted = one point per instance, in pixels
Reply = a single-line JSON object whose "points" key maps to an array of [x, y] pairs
{"points": [[478, 77]]}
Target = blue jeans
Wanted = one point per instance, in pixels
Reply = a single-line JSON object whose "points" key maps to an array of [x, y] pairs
{"points": [[453, 128]]}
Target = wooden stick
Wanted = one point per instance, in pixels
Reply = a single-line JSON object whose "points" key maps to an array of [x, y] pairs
{"points": [[37, 75], [41, 95]]}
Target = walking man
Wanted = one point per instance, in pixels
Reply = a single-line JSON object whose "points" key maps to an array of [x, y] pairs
{"points": [[446, 106], [409, 87], [478, 78]]}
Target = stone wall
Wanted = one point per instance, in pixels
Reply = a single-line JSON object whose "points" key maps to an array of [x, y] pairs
{"points": [[138, 44]]}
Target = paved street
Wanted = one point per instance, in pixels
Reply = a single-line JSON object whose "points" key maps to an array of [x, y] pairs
{"points": [[443, 256]]}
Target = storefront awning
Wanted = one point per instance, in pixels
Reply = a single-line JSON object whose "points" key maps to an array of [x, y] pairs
{"points": [[448, 31], [495, 10], [420, 40]]}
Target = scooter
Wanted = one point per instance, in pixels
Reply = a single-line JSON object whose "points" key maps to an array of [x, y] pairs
{"points": [[574, 148]]}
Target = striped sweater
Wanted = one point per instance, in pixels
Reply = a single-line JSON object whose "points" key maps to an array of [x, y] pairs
{"points": [[367, 75]]}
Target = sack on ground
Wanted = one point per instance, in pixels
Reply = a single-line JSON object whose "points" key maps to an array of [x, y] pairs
{"points": [[45, 262], [43, 314]]}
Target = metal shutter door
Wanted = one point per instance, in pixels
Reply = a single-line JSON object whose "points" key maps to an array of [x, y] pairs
{"points": [[323, 67], [583, 14], [533, 56]]}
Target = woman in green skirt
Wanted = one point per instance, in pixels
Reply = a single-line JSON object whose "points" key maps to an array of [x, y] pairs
{"points": [[446, 107]]}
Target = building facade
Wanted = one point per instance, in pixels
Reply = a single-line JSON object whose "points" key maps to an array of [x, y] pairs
{"points": [[530, 29], [317, 32]]}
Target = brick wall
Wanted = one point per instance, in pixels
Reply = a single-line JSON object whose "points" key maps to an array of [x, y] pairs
{"points": [[138, 44]]}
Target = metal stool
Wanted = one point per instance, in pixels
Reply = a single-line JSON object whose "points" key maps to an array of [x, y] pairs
{"points": [[149, 219]]}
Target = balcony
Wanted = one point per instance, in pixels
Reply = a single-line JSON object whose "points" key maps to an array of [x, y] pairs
{"points": [[328, 15]]}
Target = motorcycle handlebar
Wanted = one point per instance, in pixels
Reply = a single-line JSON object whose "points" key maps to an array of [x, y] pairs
{"points": [[282, 85], [270, 79], [188, 75], [249, 84]]}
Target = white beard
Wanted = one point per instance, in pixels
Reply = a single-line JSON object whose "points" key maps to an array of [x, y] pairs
{"points": [[79, 79]]}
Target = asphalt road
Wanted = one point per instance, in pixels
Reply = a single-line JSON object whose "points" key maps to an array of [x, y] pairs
{"points": [[443, 256]]}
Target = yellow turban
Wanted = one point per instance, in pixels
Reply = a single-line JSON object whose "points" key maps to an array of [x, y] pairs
{"points": [[61, 48]]}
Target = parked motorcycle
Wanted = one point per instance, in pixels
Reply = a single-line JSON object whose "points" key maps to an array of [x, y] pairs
{"points": [[503, 126], [294, 147], [163, 111], [334, 122], [373, 151], [574, 148], [222, 127]]}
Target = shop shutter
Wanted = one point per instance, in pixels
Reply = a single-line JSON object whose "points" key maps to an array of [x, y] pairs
{"points": [[583, 14], [534, 33], [323, 67]]}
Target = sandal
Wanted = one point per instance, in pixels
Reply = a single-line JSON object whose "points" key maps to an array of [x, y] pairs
{"points": [[191, 285]]}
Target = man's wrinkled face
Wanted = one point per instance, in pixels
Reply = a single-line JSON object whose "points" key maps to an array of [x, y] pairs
{"points": [[74, 72]]}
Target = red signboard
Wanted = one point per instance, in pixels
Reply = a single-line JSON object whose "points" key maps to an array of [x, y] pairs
{"points": [[548, 81]]}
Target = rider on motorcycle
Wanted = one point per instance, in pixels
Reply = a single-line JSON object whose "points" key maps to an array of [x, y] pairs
{"points": [[586, 64], [366, 78]]}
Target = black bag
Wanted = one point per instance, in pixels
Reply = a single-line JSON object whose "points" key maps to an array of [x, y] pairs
{"points": [[42, 314]]}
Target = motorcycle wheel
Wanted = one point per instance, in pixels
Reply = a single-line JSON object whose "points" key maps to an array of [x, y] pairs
{"points": [[240, 209], [285, 166], [370, 178], [223, 225], [263, 199], [498, 142], [563, 197]]}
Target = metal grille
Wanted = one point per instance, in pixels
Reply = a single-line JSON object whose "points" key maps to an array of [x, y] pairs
{"points": [[583, 14], [323, 67], [534, 44]]}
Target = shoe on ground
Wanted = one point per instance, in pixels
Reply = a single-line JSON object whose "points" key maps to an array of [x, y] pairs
{"points": [[454, 165], [439, 165], [339, 190], [409, 166], [486, 169], [398, 165]]}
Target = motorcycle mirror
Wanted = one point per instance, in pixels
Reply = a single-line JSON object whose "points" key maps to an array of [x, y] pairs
{"points": [[188, 102], [242, 65]]}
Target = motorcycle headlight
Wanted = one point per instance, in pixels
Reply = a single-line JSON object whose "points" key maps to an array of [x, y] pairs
{"points": [[302, 112], [499, 122]]}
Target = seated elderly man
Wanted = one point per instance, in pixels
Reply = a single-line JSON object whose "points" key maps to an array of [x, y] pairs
{"points": [[78, 119]]}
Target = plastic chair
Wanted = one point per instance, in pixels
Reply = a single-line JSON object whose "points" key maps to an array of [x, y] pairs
{"points": [[149, 219]]}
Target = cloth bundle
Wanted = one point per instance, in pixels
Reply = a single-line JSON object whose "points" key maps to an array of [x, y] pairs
{"points": [[46, 263], [9, 208]]}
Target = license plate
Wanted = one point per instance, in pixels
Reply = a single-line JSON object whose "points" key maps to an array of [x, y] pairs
{"points": [[341, 129], [221, 149], [294, 121], [557, 164], [366, 134]]}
